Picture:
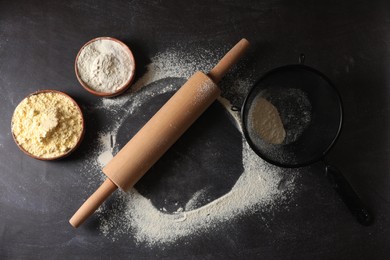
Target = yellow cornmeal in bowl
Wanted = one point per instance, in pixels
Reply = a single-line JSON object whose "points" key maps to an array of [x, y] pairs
{"points": [[47, 124]]}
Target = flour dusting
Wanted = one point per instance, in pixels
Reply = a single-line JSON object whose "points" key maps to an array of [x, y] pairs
{"points": [[134, 215]]}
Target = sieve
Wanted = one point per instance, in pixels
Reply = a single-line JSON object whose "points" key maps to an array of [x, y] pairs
{"points": [[310, 109]]}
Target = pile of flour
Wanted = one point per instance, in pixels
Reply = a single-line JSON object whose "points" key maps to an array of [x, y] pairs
{"points": [[105, 65], [264, 119], [259, 186]]}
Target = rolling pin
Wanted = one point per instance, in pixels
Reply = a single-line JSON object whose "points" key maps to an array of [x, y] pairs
{"points": [[160, 132]]}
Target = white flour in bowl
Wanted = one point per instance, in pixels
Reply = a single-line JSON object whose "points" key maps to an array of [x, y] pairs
{"points": [[135, 215], [104, 65]]}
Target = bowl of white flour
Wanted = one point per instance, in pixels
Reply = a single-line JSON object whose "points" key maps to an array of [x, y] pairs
{"points": [[105, 66]]}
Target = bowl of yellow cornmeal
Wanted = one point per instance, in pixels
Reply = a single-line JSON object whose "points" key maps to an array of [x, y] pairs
{"points": [[47, 125]]}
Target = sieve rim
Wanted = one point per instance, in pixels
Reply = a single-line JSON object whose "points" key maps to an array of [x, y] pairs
{"points": [[244, 117]]}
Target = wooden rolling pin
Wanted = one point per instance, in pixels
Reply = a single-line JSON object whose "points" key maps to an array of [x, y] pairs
{"points": [[160, 132]]}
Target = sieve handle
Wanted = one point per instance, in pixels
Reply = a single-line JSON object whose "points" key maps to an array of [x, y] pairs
{"points": [[348, 195]]}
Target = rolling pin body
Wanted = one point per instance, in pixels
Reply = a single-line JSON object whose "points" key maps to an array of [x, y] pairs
{"points": [[162, 131]]}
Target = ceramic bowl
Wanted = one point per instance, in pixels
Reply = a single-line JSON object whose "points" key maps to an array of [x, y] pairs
{"points": [[65, 154], [121, 89]]}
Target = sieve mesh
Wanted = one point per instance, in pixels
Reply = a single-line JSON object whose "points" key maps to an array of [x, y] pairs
{"points": [[310, 110]]}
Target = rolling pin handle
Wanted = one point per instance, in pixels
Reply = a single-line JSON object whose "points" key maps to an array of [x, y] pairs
{"points": [[230, 58], [93, 203]]}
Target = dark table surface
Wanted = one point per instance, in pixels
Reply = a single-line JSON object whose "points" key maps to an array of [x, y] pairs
{"points": [[349, 41]]}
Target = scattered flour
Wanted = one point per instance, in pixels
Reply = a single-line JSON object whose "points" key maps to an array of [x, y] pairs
{"points": [[105, 157], [169, 64], [135, 215]]}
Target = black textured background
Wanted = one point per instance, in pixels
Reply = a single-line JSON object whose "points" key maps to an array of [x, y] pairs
{"points": [[349, 41]]}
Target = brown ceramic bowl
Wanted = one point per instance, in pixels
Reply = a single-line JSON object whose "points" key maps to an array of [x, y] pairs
{"points": [[120, 90], [80, 138]]}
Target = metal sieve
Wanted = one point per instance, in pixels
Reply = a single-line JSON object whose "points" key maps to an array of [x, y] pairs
{"points": [[310, 110]]}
